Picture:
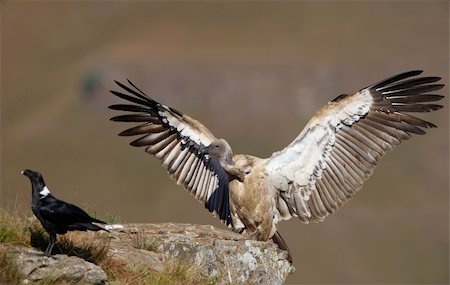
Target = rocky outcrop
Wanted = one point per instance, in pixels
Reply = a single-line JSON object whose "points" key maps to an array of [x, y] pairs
{"points": [[218, 253], [58, 269], [223, 256]]}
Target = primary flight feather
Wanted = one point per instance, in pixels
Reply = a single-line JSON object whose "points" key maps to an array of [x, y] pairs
{"points": [[310, 178]]}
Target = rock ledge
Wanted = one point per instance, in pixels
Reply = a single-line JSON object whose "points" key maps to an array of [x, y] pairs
{"points": [[220, 254]]}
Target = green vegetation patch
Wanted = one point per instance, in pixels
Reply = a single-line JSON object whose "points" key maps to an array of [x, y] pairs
{"points": [[9, 270], [15, 227], [176, 272], [91, 247], [140, 241]]}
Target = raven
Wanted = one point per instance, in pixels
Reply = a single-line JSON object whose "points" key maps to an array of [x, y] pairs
{"points": [[56, 216]]}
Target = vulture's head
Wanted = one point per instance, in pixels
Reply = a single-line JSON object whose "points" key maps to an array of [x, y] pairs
{"points": [[222, 150]]}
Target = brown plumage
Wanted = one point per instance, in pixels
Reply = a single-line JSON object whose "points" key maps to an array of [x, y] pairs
{"points": [[311, 178]]}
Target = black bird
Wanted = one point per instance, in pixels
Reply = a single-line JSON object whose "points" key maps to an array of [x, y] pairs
{"points": [[56, 216]]}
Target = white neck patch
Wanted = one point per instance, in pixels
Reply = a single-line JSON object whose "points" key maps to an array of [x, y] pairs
{"points": [[44, 191]]}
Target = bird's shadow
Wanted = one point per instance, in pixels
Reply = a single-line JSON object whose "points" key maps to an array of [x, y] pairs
{"points": [[92, 247]]}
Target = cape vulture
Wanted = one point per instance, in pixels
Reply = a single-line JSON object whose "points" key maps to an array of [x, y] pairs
{"points": [[312, 177]]}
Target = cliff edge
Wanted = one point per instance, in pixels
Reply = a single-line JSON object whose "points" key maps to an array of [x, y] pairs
{"points": [[219, 256]]}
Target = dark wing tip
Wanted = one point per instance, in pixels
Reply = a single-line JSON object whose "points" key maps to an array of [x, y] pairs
{"points": [[135, 143], [436, 107], [437, 86], [139, 142], [131, 83], [141, 117], [395, 78], [411, 73], [136, 92], [434, 78], [112, 107], [130, 108], [430, 125]]}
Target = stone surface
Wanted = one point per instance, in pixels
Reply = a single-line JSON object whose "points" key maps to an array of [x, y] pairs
{"points": [[219, 253], [224, 256], [58, 269]]}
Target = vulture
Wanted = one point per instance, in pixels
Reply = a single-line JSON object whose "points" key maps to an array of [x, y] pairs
{"points": [[311, 178]]}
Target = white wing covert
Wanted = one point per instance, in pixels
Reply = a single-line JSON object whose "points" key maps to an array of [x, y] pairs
{"points": [[343, 143]]}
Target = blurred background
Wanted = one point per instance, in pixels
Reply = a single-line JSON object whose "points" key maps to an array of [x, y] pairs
{"points": [[254, 73]]}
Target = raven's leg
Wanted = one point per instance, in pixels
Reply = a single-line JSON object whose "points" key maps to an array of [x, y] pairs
{"points": [[48, 251]]}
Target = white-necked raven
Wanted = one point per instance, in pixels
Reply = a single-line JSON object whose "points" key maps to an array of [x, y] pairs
{"points": [[56, 216]]}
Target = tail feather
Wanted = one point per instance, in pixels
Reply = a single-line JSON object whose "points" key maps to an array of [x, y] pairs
{"points": [[85, 227], [94, 220], [278, 239]]}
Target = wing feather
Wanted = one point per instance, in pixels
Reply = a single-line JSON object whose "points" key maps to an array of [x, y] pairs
{"points": [[178, 161], [171, 155], [142, 129], [185, 169], [336, 189], [344, 142], [178, 141]]}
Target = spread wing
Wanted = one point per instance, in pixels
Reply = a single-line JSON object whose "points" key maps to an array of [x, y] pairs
{"points": [[178, 141], [343, 143]]}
